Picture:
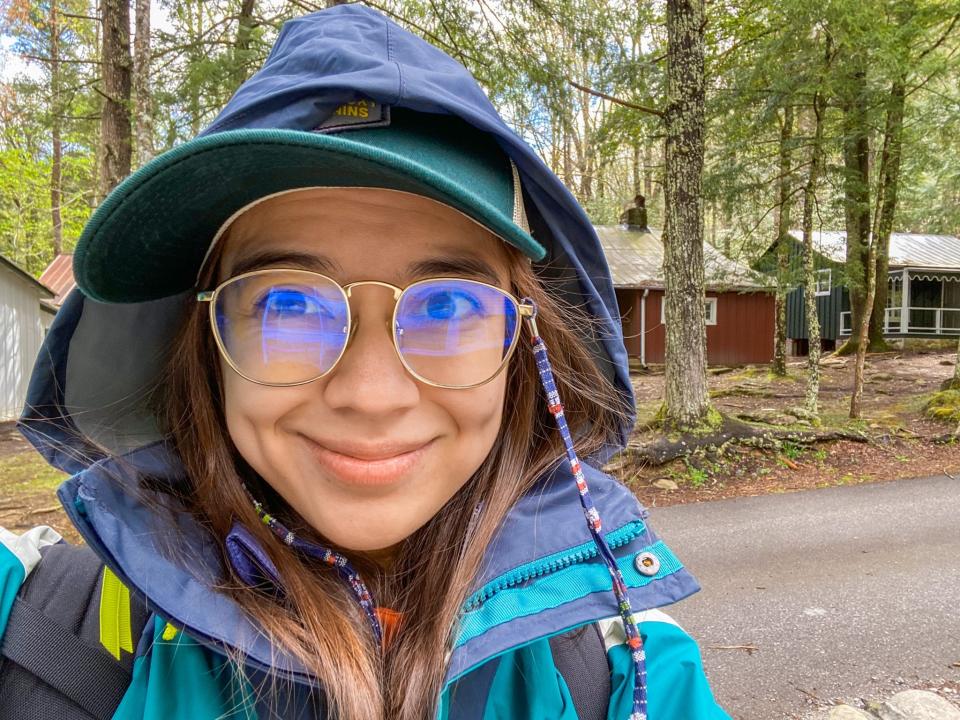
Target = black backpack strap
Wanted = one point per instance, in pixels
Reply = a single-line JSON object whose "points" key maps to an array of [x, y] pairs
{"points": [[52, 665], [581, 658]]}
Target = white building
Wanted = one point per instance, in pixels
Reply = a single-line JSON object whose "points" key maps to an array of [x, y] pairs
{"points": [[25, 315]]}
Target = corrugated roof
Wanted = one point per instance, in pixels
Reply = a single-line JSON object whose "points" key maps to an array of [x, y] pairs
{"points": [[906, 249], [59, 277], [636, 260]]}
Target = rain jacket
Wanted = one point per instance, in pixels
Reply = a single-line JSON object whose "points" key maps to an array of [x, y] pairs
{"points": [[89, 415]]}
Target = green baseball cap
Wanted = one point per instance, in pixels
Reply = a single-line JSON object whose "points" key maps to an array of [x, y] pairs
{"points": [[149, 237]]}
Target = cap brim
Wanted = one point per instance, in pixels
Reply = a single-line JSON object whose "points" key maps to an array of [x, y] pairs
{"points": [[149, 237]]}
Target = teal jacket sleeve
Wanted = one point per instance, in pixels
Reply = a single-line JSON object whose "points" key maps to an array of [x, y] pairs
{"points": [[19, 555], [677, 688]]}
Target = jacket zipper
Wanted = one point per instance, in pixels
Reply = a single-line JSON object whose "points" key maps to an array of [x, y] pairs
{"points": [[616, 538]]}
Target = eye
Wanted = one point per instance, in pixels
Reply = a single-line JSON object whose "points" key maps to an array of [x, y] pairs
{"points": [[449, 304], [293, 303]]}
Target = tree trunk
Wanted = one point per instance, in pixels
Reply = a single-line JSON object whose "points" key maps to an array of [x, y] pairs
{"points": [[687, 401], [956, 369], [856, 194], [887, 192], [115, 118], [809, 274], [586, 147], [637, 173], [56, 112], [141, 83], [647, 172], [784, 207], [241, 48], [863, 331]]}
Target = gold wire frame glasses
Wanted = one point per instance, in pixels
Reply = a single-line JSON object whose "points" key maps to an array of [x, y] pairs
{"points": [[523, 309]]}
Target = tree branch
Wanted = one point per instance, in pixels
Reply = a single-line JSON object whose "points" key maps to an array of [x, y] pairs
{"points": [[618, 101]]}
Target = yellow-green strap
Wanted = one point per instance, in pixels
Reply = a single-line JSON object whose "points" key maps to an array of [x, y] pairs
{"points": [[115, 634]]}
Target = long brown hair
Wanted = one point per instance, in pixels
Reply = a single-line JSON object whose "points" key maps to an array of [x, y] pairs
{"points": [[318, 620]]}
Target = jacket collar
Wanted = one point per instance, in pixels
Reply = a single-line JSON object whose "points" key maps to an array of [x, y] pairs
{"points": [[139, 542]]}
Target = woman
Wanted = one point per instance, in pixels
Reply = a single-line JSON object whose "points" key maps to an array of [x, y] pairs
{"points": [[312, 422]]}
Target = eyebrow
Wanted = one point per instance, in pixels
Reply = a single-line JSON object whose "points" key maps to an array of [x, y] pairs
{"points": [[455, 265], [440, 266], [303, 261]]}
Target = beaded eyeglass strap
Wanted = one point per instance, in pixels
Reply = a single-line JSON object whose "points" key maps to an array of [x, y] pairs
{"points": [[634, 640], [331, 558]]}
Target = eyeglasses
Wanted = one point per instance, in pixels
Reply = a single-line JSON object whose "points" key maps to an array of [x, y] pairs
{"points": [[290, 327]]}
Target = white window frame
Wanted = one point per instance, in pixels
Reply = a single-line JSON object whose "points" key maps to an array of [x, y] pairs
{"points": [[829, 272], [709, 315]]}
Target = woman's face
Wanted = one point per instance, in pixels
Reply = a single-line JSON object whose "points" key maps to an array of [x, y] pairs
{"points": [[366, 454]]}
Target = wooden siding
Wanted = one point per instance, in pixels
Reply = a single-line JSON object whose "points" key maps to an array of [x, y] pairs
{"points": [[743, 333], [828, 309], [21, 333]]}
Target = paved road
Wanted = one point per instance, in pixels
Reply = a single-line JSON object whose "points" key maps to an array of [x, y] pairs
{"points": [[843, 590]]}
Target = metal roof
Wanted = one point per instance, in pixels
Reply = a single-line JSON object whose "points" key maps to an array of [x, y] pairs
{"points": [[906, 249], [59, 277], [636, 261]]}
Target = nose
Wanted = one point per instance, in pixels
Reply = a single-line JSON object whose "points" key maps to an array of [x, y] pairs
{"points": [[370, 379]]}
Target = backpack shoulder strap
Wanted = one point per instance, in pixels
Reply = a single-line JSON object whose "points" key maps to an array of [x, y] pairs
{"points": [[60, 656], [581, 658]]}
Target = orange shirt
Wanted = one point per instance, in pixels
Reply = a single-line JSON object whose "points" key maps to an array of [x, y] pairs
{"points": [[389, 623]]}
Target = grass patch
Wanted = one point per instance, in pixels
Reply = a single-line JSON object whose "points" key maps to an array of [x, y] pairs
{"points": [[26, 473], [943, 405]]}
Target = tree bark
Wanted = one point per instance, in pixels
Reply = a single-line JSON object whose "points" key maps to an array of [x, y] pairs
{"points": [[956, 369], [811, 403], [141, 83], [784, 207], [115, 116], [887, 192], [856, 192], [241, 47], [56, 112], [687, 401]]}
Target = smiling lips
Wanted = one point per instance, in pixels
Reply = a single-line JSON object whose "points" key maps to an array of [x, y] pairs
{"points": [[370, 464]]}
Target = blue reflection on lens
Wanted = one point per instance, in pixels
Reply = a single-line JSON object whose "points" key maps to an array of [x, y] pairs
{"points": [[293, 320]]}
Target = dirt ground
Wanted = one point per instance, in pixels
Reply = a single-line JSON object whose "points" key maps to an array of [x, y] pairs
{"points": [[900, 440]]}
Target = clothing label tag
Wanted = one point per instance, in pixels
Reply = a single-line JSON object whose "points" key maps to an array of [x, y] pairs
{"points": [[357, 114]]}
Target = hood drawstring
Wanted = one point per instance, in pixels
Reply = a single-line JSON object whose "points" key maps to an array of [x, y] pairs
{"points": [[634, 640]]}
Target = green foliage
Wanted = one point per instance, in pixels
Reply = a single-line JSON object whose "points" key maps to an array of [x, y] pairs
{"points": [[530, 57]]}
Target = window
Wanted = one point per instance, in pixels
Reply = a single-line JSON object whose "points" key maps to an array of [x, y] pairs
{"points": [[824, 281], [709, 311]]}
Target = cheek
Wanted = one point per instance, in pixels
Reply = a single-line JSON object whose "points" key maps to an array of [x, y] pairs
{"points": [[252, 412], [477, 413]]}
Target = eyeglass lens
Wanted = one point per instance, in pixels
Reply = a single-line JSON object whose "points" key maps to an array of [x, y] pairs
{"points": [[290, 326]]}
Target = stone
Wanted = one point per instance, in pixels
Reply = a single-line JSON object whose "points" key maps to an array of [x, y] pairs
{"points": [[665, 484], [848, 712], [918, 705]]}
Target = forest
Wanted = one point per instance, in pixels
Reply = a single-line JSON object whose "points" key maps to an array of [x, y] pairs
{"points": [[737, 120]]}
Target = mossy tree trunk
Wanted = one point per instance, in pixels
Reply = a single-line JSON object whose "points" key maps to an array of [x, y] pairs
{"points": [[115, 64], [56, 113], [811, 402], [784, 207], [887, 205], [856, 188], [141, 83], [687, 400]]}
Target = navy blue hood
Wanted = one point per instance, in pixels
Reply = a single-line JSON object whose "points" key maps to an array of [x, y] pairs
{"points": [[88, 408]]}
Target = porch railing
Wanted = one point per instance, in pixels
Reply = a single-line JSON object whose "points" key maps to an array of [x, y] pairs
{"points": [[920, 320]]}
